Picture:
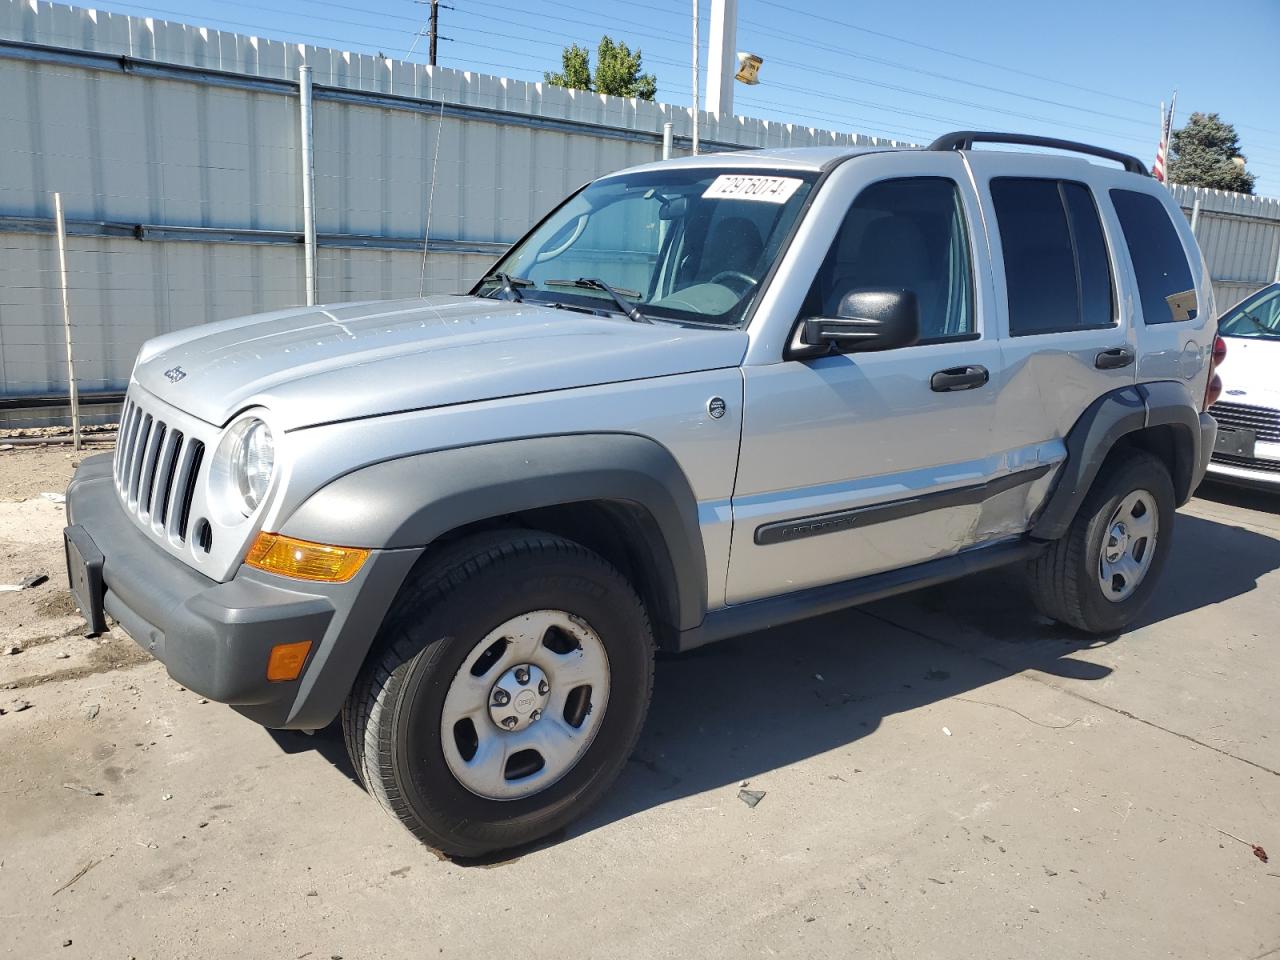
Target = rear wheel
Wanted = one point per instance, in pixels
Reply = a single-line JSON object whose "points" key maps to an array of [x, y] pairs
{"points": [[509, 687], [1101, 574]]}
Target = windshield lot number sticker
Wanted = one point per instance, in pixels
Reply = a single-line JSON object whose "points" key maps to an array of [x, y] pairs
{"points": [[733, 186]]}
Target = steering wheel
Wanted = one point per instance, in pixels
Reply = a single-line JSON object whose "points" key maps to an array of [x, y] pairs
{"points": [[750, 281]]}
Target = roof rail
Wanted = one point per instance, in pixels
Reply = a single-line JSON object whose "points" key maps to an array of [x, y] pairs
{"points": [[965, 139]]}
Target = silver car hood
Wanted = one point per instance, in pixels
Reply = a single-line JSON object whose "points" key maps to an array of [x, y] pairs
{"points": [[312, 365]]}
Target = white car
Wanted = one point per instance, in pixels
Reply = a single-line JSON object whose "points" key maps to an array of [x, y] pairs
{"points": [[1248, 412]]}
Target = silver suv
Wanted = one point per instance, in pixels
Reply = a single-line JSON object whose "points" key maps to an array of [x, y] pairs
{"points": [[701, 397]]}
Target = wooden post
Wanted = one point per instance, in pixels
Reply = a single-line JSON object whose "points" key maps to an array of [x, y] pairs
{"points": [[66, 319]]}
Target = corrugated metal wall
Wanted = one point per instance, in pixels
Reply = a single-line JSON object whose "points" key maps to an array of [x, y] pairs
{"points": [[176, 150], [1239, 236]]}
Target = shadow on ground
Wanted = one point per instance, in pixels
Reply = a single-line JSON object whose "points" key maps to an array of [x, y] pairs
{"points": [[1262, 499], [738, 709]]}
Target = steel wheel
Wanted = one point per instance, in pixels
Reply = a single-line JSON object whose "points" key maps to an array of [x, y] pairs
{"points": [[525, 705], [1128, 545]]}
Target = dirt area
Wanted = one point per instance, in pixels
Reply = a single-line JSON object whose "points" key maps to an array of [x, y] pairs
{"points": [[944, 775], [43, 635]]}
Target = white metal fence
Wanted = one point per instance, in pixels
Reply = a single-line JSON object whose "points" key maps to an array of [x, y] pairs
{"points": [[177, 152], [1239, 236]]}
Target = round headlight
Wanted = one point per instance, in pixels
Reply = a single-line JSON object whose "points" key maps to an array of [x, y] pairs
{"points": [[253, 457]]}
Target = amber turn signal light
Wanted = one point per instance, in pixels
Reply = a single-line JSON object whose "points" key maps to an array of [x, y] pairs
{"points": [[304, 560], [286, 660]]}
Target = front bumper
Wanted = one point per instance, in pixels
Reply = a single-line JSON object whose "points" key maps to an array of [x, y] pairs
{"points": [[214, 638]]}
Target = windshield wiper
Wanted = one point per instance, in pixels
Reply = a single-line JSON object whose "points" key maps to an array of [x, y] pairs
{"points": [[619, 294], [1267, 331], [510, 285]]}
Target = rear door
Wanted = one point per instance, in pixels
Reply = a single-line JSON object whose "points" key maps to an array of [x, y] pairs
{"points": [[1175, 315], [1065, 319], [857, 463]]}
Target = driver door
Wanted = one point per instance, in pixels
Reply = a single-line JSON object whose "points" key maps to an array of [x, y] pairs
{"points": [[856, 463]]}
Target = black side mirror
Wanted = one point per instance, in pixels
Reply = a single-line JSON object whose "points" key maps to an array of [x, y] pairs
{"points": [[867, 319]]}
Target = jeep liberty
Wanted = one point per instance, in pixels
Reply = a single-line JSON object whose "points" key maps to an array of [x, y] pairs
{"points": [[701, 397]]}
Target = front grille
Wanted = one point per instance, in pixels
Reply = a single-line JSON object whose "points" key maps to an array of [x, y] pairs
{"points": [[156, 469], [1264, 421], [1230, 460]]}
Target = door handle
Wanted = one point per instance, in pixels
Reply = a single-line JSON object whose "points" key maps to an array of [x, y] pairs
{"points": [[958, 378], [1113, 359]]}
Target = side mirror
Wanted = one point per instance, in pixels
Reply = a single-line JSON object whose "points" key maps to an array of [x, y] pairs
{"points": [[867, 319]]}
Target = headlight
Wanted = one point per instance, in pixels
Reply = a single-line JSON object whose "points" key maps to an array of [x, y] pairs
{"points": [[250, 458]]}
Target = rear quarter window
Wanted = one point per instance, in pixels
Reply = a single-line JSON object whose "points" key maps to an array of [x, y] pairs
{"points": [[1057, 272], [1160, 264]]}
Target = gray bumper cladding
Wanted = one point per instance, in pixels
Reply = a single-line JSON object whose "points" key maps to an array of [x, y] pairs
{"points": [[215, 638]]}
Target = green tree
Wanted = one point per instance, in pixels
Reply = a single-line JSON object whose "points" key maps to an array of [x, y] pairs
{"points": [[618, 71], [576, 74], [1202, 154]]}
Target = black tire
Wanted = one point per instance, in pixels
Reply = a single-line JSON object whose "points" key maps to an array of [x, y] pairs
{"points": [[392, 718], [1064, 578]]}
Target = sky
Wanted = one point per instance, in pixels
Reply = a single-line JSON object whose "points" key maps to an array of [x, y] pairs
{"points": [[1090, 70]]}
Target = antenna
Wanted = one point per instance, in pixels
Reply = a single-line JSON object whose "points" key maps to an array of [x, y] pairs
{"points": [[431, 200]]}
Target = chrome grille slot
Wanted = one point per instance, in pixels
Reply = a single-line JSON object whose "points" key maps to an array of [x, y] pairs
{"points": [[166, 464], [136, 448], [150, 455], [1262, 420], [193, 456]]}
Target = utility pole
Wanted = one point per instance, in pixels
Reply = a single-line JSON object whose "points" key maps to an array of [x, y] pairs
{"points": [[435, 30]]}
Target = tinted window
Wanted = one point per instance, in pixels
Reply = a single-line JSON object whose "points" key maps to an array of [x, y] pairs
{"points": [[1057, 273], [1159, 262], [909, 234]]}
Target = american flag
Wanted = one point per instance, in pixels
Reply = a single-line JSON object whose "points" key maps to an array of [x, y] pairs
{"points": [[1166, 131]]}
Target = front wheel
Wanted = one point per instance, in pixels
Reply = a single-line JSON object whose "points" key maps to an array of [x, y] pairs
{"points": [[508, 689], [1101, 574]]}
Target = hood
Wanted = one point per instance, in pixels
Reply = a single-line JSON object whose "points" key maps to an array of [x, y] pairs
{"points": [[1251, 372], [314, 365]]}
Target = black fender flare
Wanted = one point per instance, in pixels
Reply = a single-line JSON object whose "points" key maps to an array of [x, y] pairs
{"points": [[1110, 418], [411, 501]]}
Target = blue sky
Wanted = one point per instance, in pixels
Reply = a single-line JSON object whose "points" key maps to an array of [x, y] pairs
{"points": [[1093, 70]]}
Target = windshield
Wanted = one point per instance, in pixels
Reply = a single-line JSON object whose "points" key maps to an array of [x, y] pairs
{"points": [[689, 245], [1257, 316]]}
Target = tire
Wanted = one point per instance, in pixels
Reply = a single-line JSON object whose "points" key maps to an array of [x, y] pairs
{"points": [[510, 585], [1067, 578]]}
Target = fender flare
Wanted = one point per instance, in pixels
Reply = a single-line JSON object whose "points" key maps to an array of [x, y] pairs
{"points": [[1113, 416], [411, 501]]}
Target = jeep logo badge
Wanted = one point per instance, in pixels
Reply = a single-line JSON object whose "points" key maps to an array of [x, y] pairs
{"points": [[175, 374], [716, 407]]}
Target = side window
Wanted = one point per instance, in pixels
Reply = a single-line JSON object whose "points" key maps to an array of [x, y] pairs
{"points": [[910, 234], [1159, 262], [1057, 272]]}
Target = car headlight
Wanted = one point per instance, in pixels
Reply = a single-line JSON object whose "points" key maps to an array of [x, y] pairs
{"points": [[250, 458]]}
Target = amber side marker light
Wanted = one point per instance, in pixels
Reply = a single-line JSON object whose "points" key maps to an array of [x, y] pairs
{"points": [[286, 660], [304, 560]]}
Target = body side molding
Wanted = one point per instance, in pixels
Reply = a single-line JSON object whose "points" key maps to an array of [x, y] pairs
{"points": [[783, 531]]}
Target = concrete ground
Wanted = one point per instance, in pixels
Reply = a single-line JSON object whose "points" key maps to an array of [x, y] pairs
{"points": [[944, 776]]}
